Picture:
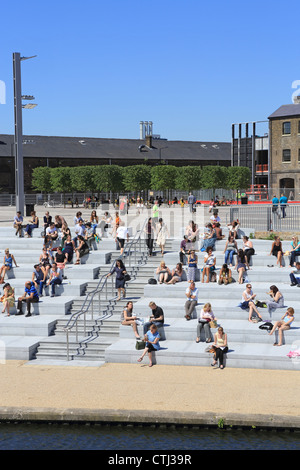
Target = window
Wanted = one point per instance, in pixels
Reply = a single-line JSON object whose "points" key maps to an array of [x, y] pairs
{"points": [[299, 156], [298, 127], [286, 155], [286, 128]]}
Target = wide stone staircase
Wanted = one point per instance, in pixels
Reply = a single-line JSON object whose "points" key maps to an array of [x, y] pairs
{"points": [[249, 346], [42, 337]]}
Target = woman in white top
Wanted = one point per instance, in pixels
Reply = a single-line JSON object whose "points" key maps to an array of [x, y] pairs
{"points": [[248, 302], [162, 234], [220, 346], [206, 315], [163, 272], [215, 217], [209, 264]]}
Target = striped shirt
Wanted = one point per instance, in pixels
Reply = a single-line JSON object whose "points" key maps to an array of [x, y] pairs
{"points": [[31, 290]]}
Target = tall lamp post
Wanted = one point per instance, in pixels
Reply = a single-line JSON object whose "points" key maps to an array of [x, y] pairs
{"points": [[18, 142]]}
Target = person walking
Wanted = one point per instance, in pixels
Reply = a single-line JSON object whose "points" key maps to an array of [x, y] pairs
{"points": [[120, 271], [162, 233], [155, 212], [149, 233], [191, 202], [283, 203], [275, 204]]}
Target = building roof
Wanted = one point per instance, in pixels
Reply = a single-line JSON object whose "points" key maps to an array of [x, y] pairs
{"points": [[286, 110], [81, 147]]}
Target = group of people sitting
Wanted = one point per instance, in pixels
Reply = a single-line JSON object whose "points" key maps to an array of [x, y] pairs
{"points": [[31, 224], [48, 271]]}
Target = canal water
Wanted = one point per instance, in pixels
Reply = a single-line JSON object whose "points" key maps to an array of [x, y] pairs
{"points": [[32, 436]]}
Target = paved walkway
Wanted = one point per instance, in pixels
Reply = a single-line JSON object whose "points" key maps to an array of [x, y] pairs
{"points": [[135, 392]]}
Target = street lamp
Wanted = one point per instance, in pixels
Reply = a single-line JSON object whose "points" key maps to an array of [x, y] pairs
{"points": [[19, 170]]}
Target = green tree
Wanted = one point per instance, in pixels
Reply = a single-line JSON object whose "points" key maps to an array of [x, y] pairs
{"points": [[238, 177], [41, 179], [61, 180], [163, 178], [82, 178], [213, 177], [137, 177], [188, 178], [108, 178]]}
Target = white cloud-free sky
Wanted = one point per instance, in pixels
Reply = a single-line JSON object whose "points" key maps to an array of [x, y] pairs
{"points": [[191, 67]]}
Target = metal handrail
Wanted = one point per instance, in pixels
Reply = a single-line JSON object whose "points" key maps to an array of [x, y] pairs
{"points": [[102, 284]]}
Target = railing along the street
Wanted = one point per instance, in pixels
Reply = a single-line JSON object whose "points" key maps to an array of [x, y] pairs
{"points": [[265, 218], [104, 294]]}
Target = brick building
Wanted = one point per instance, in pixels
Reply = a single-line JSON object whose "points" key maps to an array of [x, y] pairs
{"points": [[274, 156], [284, 149]]}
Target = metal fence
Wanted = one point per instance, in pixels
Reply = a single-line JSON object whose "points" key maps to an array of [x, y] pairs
{"points": [[59, 199], [264, 218]]}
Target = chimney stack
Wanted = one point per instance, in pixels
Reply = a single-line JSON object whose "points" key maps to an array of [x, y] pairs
{"points": [[149, 141], [146, 129], [296, 99]]}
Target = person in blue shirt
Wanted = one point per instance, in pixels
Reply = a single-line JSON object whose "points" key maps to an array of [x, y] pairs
{"points": [[152, 343], [30, 295], [275, 202], [283, 203]]}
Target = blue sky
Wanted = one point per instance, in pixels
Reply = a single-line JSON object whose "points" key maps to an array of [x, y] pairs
{"points": [[191, 67]]}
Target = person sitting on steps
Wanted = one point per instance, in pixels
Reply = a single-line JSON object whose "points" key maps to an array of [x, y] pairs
{"points": [[128, 318], [192, 300], [152, 344]]}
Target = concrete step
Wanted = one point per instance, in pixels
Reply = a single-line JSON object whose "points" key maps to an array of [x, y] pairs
{"points": [[18, 347], [55, 348], [259, 259], [28, 256], [174, 308], [37, 325], [240, 355], [240, 331], [71, 271], [68, 288], [232, 292], [56, 306]]}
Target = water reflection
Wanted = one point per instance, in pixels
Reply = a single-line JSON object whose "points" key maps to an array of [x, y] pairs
{"points": [[97, 437]]}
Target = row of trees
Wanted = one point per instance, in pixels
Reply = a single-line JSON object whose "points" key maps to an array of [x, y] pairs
{"points": [[117, 179]]}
